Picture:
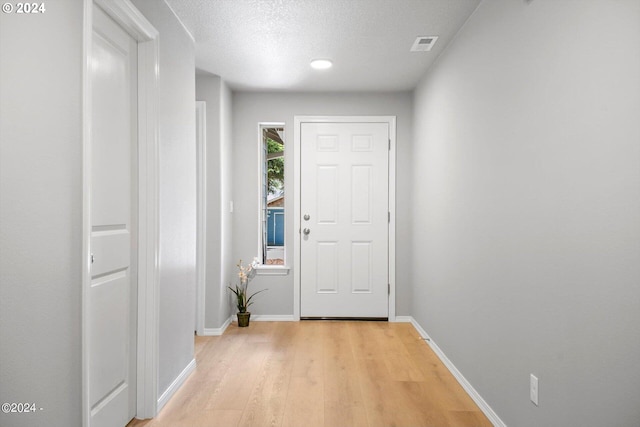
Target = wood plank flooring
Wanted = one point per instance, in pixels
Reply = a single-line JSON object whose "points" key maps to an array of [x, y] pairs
{"points": [[318, 373]]}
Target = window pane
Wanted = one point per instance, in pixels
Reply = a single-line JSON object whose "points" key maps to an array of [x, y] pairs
{"points": [[273, 195]]}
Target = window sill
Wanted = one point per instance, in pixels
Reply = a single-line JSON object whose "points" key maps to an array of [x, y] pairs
{"points": [[272, 270]]}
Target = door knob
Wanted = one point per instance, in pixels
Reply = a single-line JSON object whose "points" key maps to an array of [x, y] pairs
{"points": [[306, 231], [306, 217]]}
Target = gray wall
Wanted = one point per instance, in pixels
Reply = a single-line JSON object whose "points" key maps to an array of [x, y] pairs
{"points": [[249, 109], [41, 214], [214, 91], [177, 192], [525, 213]]}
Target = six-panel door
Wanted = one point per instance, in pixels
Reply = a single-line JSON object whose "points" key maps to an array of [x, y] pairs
{"points": [[344, 241]]}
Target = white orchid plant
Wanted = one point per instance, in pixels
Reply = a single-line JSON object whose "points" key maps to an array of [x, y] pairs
{"points": [[245, 274]]}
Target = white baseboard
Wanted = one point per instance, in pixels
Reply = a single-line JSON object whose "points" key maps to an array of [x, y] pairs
{"points": [[269, 318], [482, 404], [403, 319], [272, 317], [214, 332], [175, 385]]}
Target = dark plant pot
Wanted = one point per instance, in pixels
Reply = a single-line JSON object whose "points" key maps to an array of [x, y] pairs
{"points": [[243, 319]]}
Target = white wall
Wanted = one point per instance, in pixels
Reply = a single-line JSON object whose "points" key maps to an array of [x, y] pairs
{"points": [[249, 109], [41, 214], [177, 150], [526, 200], [214, 91]]}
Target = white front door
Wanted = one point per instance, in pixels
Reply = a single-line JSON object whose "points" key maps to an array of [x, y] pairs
{"points": [[112, 297], [344, 220]]}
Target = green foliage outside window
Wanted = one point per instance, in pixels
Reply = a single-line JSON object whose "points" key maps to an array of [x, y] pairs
{"points": [[275, 167]]}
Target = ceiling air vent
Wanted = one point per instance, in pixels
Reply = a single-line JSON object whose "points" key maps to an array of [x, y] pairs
{"points": [[424, 43]]}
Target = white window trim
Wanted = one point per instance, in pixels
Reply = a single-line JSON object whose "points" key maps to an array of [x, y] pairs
{"points": [[264, 269], [272, 270]]}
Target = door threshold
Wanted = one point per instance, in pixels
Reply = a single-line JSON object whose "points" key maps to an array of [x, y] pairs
{"points": [[359, 319]]}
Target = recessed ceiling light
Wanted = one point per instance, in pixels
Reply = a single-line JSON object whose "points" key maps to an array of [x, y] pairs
{"points": [[321, 64]]}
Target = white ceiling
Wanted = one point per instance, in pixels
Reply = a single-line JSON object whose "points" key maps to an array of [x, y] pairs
{"points": [[268, 44]]}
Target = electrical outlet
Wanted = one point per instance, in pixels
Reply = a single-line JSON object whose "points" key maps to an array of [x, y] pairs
{"points": [[533, 389]]}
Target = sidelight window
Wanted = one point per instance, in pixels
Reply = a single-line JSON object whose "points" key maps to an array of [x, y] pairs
{"points": [[272, 194]]}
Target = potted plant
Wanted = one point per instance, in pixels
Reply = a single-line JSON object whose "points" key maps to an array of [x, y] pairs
{"points": [[243, 298]]}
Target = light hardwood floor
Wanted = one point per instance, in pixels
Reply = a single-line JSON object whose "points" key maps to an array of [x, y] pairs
{"points": [[318, 373]]}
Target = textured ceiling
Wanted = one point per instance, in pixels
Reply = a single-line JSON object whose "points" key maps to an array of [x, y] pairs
{"points": [[268, 44]]}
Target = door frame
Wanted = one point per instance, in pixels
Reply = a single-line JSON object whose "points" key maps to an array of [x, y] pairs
{"points": [[131, 19], [201, 220], [297, 171]]}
